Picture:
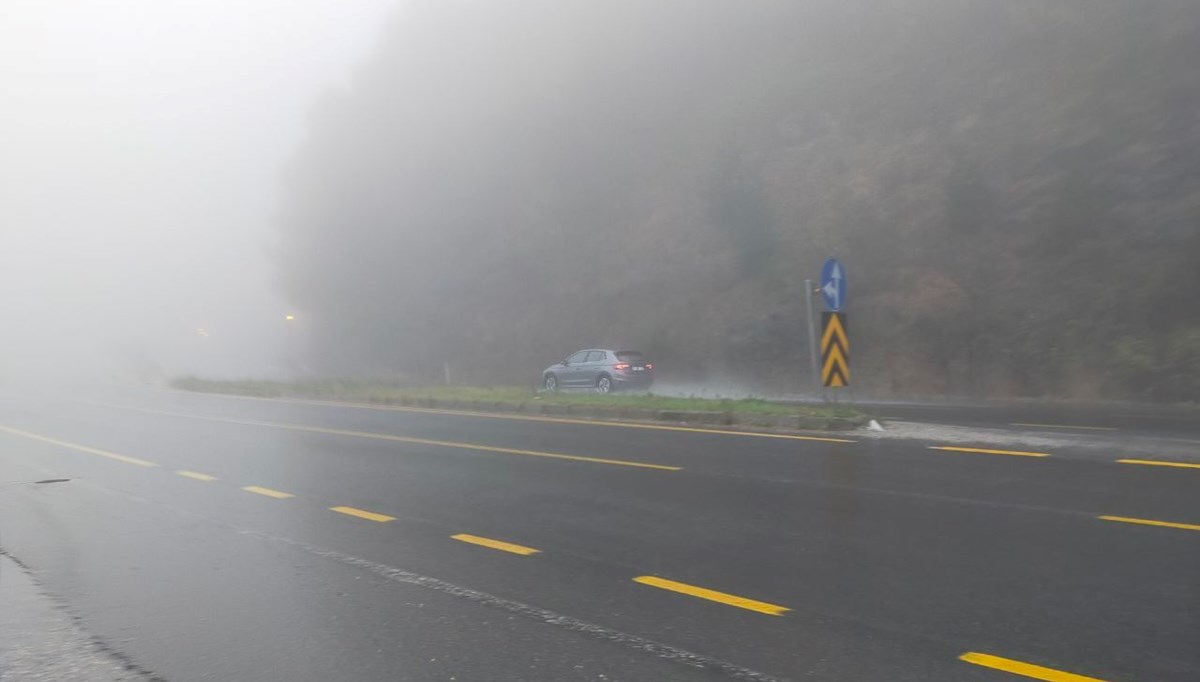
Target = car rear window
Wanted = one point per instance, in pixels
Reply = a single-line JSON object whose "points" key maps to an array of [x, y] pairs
{"points": [[630, 356]]}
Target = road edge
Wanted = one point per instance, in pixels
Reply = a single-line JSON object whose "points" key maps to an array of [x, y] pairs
{"points": [[750, 421]]}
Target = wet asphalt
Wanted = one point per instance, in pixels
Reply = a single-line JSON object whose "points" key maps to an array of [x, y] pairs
{"points": [[849, 559]]}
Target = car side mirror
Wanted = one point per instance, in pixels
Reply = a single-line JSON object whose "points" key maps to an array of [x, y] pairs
{"points": [[564, 363]]}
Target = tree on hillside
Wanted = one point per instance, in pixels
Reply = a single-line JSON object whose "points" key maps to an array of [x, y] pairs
{"points": [[1012, 186]]}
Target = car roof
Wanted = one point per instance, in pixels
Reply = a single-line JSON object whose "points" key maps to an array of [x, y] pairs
{"points": [[608, 350]]}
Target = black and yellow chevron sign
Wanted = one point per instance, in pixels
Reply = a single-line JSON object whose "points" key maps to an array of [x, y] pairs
{"points": [[835, 350]]}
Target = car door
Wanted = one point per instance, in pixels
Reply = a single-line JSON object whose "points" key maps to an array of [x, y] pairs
{"points": [[592, 368], [572, 374]]}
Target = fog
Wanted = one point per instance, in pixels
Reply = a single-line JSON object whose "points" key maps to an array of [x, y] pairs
{"points": [[141, 144], [1007, 183], [488, 186]]}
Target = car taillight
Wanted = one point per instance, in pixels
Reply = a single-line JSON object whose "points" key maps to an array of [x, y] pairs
{"points": [[649, 366], [621, 365]]}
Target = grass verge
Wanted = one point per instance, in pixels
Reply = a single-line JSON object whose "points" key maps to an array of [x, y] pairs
{"points": [[514, 398]]}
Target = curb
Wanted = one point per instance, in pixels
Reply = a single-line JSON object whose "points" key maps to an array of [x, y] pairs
{"points": [[746, 421], [784, 422]]}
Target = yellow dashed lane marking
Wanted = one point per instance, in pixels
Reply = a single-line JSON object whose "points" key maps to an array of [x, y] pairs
{"points": [[277, 494], [1157, 463], [1150, 522], [363, 514], [1066, 426], [495, 544], [420, 441], [1030, 670], [713, 595], [984, 451], [196, 475], [81, 448]]}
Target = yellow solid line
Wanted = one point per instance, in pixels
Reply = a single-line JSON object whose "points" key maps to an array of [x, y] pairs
{"points": [[495, 544], [420, 441], [1156, 463], [1036, 672], [81, 448], [532, 418], [196, 475], [463, 446], [1019, 453], [1149, 522], [1066, 426], [712, 595], [279, 495], [363, 514], [724, 432]]}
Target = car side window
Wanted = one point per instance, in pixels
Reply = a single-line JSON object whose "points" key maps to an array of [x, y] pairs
{"points": [[577, 358], [597, 356]]}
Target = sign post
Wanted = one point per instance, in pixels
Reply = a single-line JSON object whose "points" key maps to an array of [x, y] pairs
{"points": [[812, 335], [835, 342], [835, 351]]}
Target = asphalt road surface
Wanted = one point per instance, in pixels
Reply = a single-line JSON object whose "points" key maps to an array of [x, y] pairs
{"points": [[211, 538]]}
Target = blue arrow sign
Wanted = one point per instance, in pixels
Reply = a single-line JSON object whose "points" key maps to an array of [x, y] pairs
{"points": [[833, 285]]}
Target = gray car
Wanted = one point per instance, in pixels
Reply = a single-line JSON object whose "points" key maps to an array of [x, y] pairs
{"points": [[600, 369]]}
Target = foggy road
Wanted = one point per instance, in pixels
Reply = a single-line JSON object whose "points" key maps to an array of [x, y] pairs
{"points": [[959, 237], [203, 537]]}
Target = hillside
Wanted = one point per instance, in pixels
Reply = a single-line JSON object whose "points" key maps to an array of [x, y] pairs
{"points": [[1014, 187]]}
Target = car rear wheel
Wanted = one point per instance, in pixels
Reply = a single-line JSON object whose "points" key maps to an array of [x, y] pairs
{"points": [[604, 385], [551, 383]]}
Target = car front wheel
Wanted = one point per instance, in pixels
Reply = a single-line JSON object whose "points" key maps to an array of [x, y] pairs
{"points": [[551, 383]]}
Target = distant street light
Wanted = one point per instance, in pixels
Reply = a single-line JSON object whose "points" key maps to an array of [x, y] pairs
{"points": [[289, 317]]}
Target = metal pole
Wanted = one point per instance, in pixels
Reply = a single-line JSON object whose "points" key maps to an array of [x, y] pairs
{"points": [[812, 336]]}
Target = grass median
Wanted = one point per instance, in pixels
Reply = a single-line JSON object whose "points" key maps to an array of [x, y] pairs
{"points": [[520, 399]]}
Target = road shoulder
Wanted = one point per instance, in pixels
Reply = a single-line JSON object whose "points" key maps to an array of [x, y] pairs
{"points": [[39, 640]]}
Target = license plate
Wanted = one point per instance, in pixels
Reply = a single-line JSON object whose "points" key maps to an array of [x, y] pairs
{"points": [[639, 369]]}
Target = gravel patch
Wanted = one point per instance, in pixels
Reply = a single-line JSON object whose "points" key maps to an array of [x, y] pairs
{"points": [[1112, 445]]}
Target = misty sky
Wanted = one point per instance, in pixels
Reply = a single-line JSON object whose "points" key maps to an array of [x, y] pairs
{"points": [[141, 144]]}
